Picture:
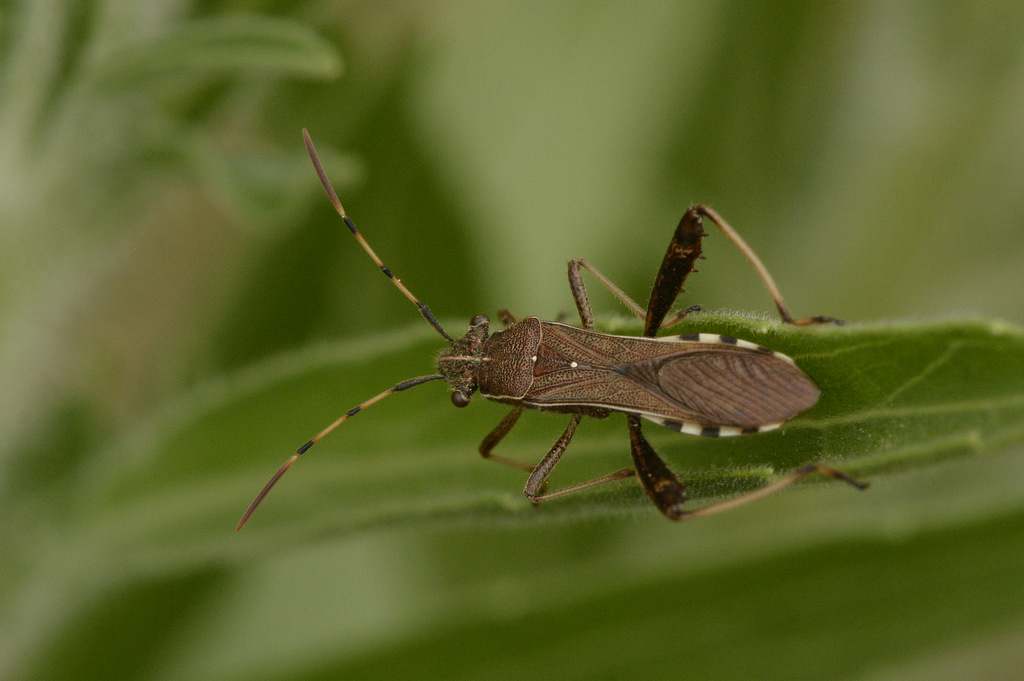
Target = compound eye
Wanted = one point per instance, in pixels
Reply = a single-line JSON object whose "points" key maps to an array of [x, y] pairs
{"points": [[479, 319], [459, 399]]}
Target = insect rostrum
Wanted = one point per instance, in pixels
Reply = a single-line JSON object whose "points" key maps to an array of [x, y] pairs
{"points": [[700, 384]]}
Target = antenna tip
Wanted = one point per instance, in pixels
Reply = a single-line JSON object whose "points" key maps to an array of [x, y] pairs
{"points": [[266, 488]]}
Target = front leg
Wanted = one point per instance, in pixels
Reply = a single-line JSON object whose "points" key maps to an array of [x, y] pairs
{"points": [[497, 435], [506, 318]]}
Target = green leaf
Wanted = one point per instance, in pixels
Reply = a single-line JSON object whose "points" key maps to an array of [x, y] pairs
{"points": [[894, 397], [162, 228], [222, 46], [401, 489]]}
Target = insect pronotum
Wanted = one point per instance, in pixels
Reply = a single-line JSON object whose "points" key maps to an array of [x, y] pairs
{"points": [[700, 384]]}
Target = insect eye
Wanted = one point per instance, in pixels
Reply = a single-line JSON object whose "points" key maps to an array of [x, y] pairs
{"points": [[479, 319], [459, 399]]}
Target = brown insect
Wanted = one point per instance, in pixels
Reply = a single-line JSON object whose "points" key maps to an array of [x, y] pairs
{"points": [[700, 384]]}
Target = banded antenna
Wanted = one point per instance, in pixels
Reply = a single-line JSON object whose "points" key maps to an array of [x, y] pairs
{"points": [[404, 385]]}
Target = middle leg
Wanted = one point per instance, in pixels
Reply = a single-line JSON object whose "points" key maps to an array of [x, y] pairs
{"points": [[579, 292], [539, 476], [682, 253], [539, 473]]}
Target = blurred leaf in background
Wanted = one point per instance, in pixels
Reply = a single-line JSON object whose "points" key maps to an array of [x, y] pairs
{"points": [[180, 308]]}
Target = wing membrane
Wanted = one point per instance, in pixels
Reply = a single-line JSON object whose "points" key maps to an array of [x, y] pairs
{"points": [[734, 388]]}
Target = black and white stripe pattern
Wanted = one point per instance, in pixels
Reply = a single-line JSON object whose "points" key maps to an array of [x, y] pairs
{"points": [[705, 430], [717, 339]]}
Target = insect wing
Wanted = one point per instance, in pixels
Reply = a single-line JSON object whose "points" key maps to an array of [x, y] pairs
{"points": [[730, 386], [703, 384]]}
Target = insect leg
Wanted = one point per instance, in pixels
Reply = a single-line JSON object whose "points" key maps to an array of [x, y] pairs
{"points": [[679, 316], [683, 251], [661, 484], [768, 490], [507, 318], [579, 292], [539, 476], [668, 493], [762, 271], [497, 435]]}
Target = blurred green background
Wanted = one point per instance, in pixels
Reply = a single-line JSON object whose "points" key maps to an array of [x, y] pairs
{"points": [[180, 308]]}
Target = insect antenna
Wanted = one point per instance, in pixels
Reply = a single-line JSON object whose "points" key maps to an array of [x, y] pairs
{"points": [[404, 385], [424, 310]]}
